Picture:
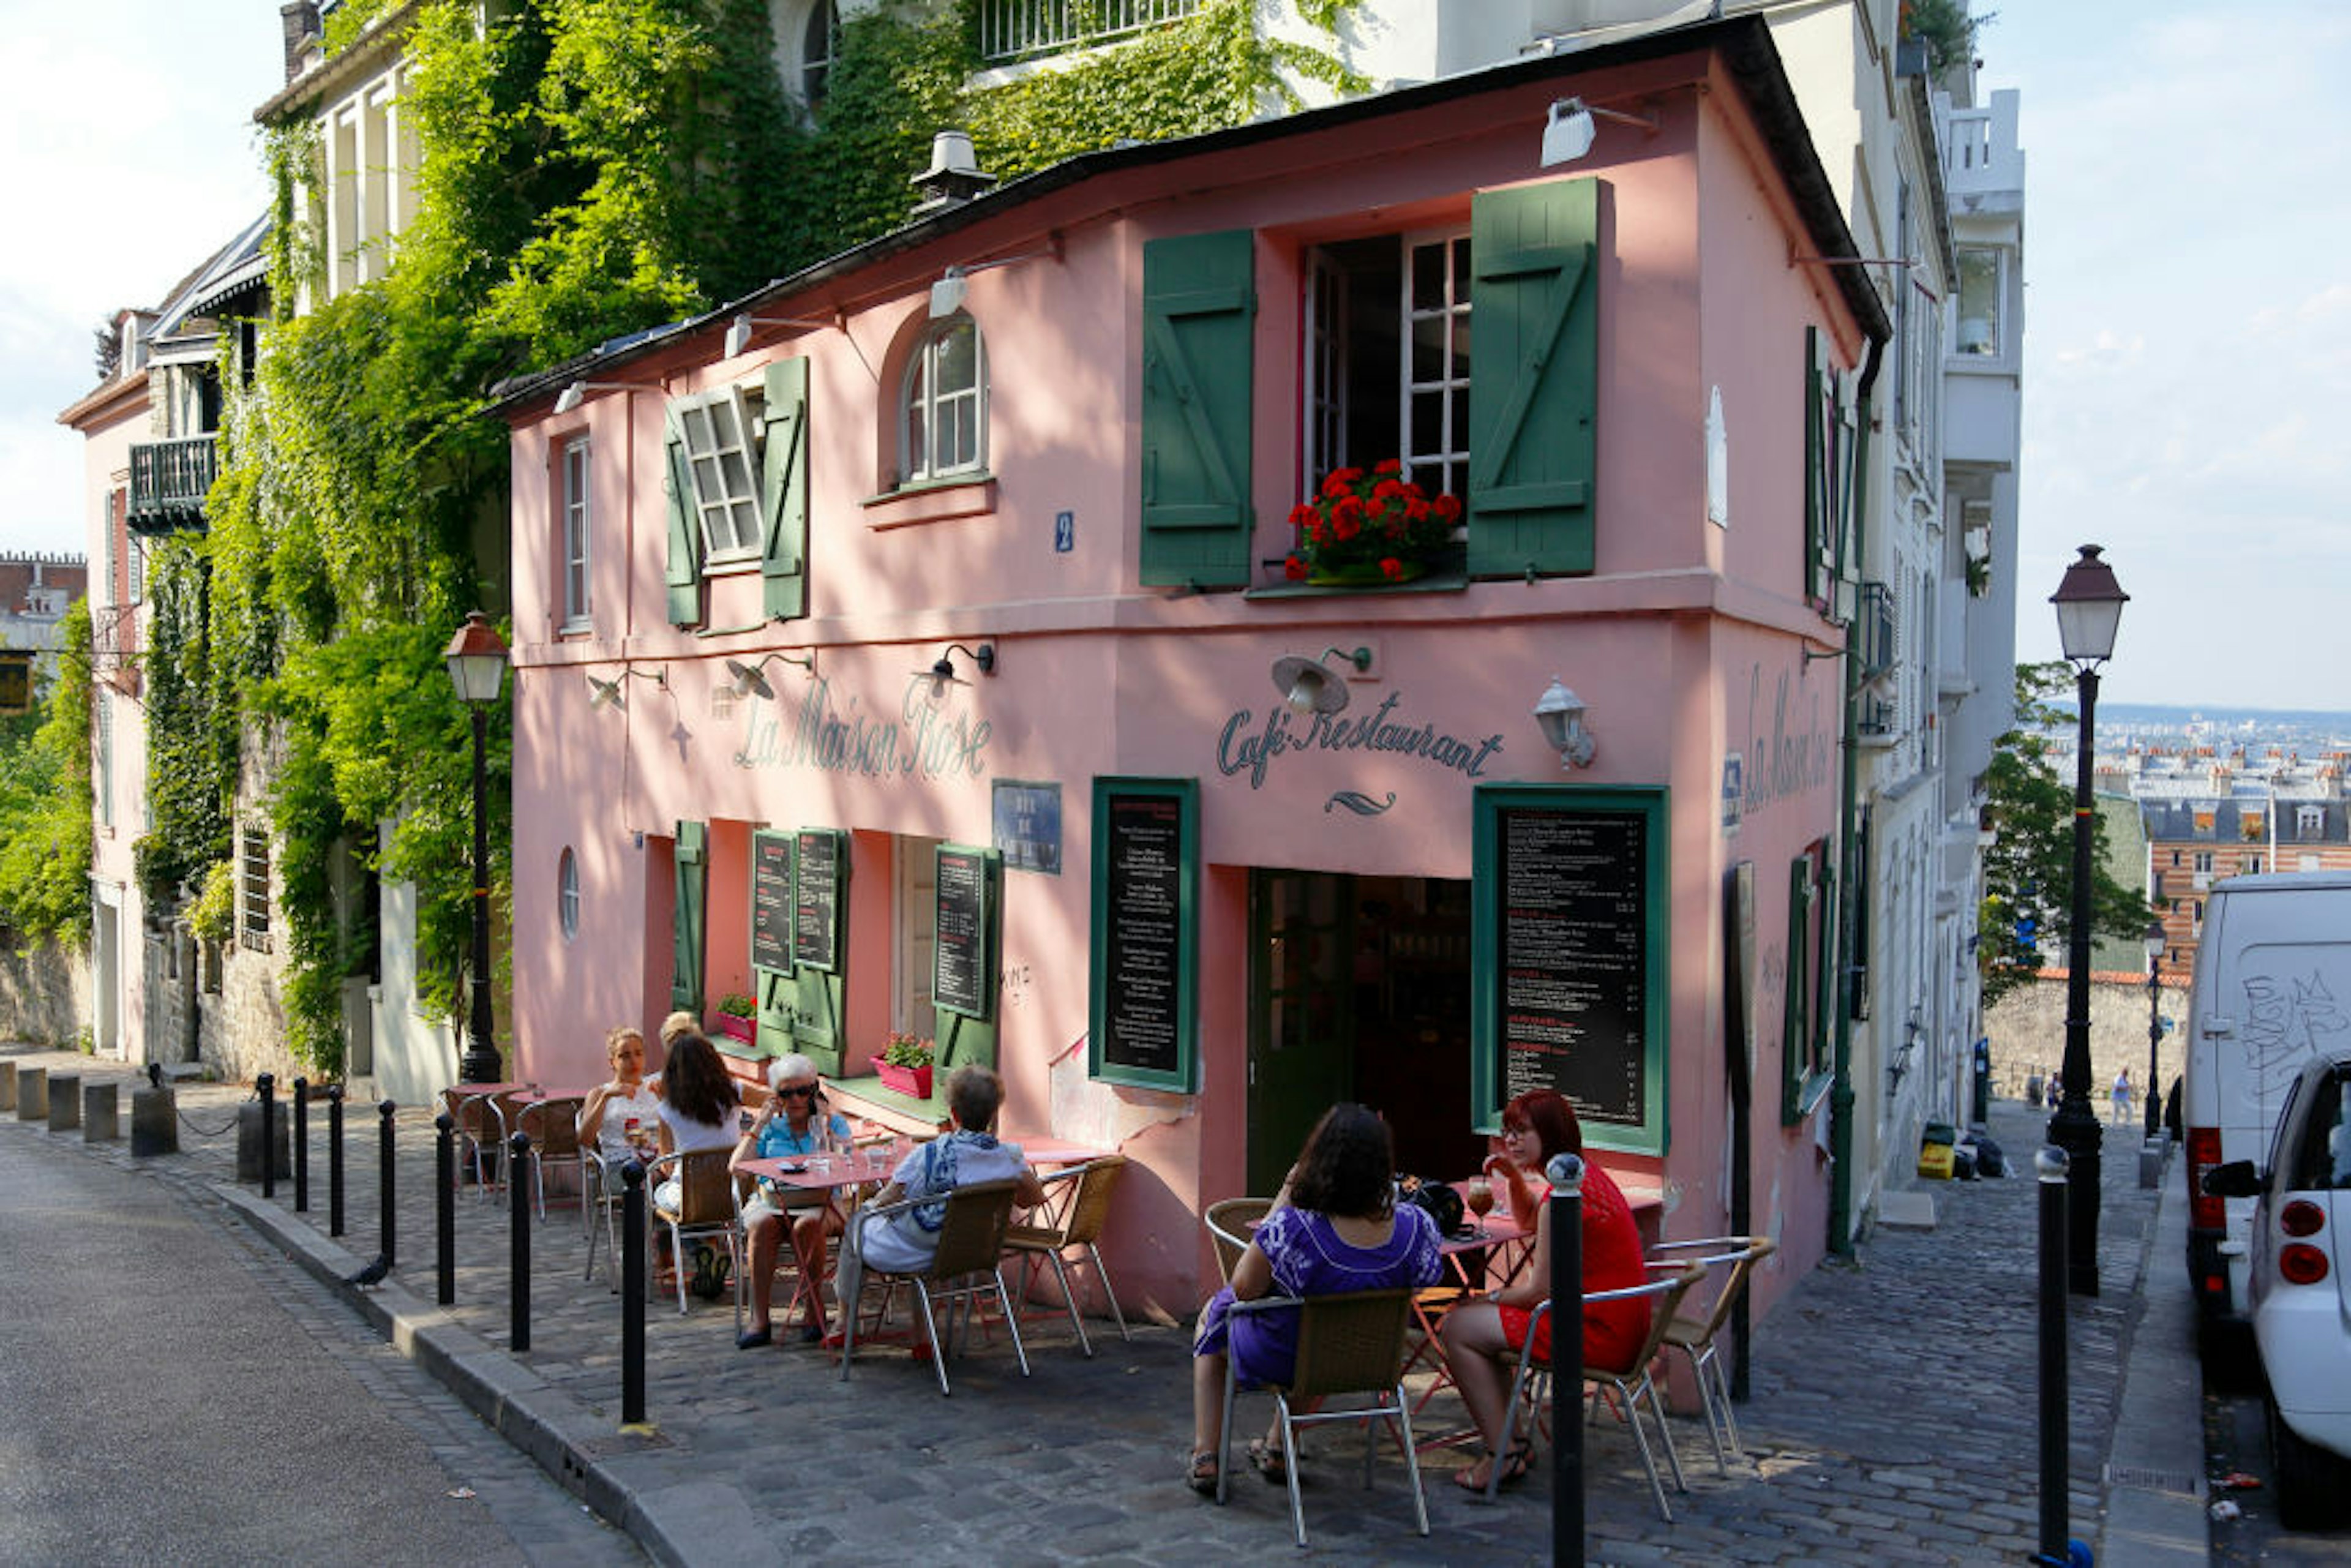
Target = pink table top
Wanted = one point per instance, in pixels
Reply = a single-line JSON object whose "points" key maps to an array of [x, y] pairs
{"points": [[822, 1173]]}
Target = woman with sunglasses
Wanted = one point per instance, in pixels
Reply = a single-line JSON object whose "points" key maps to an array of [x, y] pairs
{"points": [[794, 1121]]}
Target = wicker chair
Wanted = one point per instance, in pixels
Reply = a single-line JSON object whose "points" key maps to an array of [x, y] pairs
{"points": [[705, 1208], [1349, 1343], [968, 1262], [1229, 1222], [481, 1125], [1632, 1381], [553, 1126], [1081, 1225], [1693, 1334]]}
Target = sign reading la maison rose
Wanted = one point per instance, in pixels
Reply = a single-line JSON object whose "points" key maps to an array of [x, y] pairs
{"points": [[925, 739], [1248, 746]]}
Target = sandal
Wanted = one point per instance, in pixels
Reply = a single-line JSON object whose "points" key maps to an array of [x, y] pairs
{"points": [[1266, 1459], [1515, 1466], [1202, 1475]]}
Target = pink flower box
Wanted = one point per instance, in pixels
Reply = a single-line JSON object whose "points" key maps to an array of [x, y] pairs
{"points": [[742, 1028], [914, 1080]]}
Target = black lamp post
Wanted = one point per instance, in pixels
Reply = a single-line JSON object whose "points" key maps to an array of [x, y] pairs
{"points": [[2154, 946], [478, 666], [2089, 608]]}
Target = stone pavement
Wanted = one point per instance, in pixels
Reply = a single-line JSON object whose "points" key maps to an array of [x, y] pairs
{"points": [[1893, 1415]]}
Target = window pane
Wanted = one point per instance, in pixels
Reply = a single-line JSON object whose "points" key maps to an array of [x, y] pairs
{"points": [[918, 440], [1427, 424], [706, 486], [958, 358], [1461, 270], [695, 422], [738, 475], [1457, 430], [723, 429], [1429, 349], [1428, 276], [747, 525], [1461, 346], [967, 433], [1978, 302]]}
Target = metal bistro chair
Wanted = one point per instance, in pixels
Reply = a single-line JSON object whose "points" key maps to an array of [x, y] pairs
{"points": [[968, 1262], [1351, 1343], [1693, 1335], [553, 1126], [1080, 1225], [1632, 1381], [481, 1130], [706, 1209], [601, 1192], [1230, 1221]]}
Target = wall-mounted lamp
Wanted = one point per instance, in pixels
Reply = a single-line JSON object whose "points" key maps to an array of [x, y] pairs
{"points": [[1561, 714], [610, 694], [739, 331], [1569, 132], [748, 681], [942, 670], [572, 396], [1311, 687], [947, 293]]}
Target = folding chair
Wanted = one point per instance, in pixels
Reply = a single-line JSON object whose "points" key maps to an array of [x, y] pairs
{"points": [[553, 1126], [1080, 1225], [1352, 1343], [969, 1260], [1230, 1221], [705, 1208], [1693, 1335]]}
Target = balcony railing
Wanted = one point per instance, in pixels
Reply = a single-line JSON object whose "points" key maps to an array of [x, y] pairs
{"points": [[1019, 29], [169, 480], [1872, 630]]}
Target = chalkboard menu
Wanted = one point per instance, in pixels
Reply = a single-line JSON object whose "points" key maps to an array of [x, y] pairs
{"points": [[816, 898], [771, 901], [963, 959], [1571, 951], [1145, 913]]}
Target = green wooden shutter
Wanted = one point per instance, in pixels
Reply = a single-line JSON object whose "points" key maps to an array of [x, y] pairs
{"points": [[1795, 1025], [685, 563], [1199, 305], [1535, 381], [692, 873], [1822, 523], [784, 489]]}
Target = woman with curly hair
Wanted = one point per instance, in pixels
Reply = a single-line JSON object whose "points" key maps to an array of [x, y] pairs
{"points": [[1334, 1227]]}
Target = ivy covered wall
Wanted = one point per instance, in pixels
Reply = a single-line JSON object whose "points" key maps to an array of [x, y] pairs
{"points": [[588, 169]]}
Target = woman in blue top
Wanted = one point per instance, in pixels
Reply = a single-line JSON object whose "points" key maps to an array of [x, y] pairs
{"points": [[793, 1122], [1334, 1227]]}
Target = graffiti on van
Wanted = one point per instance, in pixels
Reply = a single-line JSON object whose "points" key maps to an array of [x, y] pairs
{"points": [[2285, 1021]]}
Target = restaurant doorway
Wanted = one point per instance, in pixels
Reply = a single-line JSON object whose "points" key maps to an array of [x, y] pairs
{"points": [[1360, 990]]}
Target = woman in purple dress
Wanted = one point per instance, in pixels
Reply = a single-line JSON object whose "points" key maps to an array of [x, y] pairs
{"points": [[1334, 1227]]}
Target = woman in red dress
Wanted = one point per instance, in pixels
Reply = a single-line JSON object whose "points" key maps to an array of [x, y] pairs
{"points": [[1478, 1334]]}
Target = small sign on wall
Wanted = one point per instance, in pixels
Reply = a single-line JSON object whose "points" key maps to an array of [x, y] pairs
{"points": [[1028, 825]]}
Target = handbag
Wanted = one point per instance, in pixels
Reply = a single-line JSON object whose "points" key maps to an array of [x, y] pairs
{"points": [[1438, 1199]]}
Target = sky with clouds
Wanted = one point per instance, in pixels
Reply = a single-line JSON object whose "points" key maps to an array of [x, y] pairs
{"points": [[2188, 318]]}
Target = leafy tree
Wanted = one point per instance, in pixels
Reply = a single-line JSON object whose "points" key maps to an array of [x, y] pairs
{"points": [[2029, 868], [45, 803]]}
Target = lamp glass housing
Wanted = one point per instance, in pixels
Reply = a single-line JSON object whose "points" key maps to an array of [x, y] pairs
{"points": [[476, 658], [2089, 608]]}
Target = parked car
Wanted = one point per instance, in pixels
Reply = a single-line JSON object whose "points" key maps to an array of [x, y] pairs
{"points": [[2272, 990], [2299, 1287]]}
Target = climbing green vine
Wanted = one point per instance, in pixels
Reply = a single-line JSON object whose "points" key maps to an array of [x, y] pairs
{"points": [[586, 169]]}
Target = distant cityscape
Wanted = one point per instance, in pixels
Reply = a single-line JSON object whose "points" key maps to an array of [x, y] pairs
{"points": [[2253, 732]]}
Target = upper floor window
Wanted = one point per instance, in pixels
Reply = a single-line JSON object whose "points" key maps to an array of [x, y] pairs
{"points": [[945, 405], [371, 160], [253, 878], [575, 533], [2309, 822], [718, 427], [1387, 370], [819, 41], [2204, 862], [1979, 304]]}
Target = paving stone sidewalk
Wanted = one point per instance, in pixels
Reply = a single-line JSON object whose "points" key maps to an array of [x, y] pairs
{"points": [[1892, 1417]]}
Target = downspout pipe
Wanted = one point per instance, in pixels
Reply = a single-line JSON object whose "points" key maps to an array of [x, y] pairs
{"points": [[1839, 1238]]}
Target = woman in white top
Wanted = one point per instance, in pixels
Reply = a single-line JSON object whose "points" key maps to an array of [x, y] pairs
{"points": [[627, 1101], [698, 1105]]}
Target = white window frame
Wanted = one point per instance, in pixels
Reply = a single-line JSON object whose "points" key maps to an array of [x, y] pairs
{"points": [[253, 887], [1436, 470], [741, 521], [918, 456], [577, 520], [1995, 346], [2310, 822]]}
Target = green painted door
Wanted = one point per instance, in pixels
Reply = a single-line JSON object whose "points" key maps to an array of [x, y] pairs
{"points": [[1302, 1013]]}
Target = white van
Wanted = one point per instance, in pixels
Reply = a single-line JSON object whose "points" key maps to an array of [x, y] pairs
{"points": [[2272, 990]]}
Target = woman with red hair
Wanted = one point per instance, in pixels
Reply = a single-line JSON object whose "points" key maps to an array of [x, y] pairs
{"points": [[1477, 1334]]}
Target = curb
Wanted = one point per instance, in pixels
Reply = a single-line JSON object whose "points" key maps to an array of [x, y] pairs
{"points": [[700, 1521], [2154, 1475]]}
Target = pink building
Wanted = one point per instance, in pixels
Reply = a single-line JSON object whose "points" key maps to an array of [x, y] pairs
{"points": [[911, 646]]}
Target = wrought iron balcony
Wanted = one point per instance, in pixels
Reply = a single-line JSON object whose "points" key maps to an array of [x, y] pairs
{"points": [[1020, 29], [1872, 630], [169, 480]]}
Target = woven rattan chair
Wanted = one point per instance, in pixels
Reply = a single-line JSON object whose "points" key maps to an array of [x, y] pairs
{"points": [[1693, 1334], [706, 1209], [1081, 1225], [968, 1262], [1351, 1343], [1230, 1222], [553, 1126], [1632, 1382], [481, 1126]]}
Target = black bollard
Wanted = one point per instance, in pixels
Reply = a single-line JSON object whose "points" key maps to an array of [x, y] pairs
{"points": [[384, 1183], [301, 1146], [2050, 1165], [1566, 1173], [267, 1087], [632, 1293], [334, 1159], [518, 1243], [444, 1209]]}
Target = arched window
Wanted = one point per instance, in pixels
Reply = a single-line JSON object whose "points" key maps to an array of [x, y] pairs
{"points": [[818, 42], [945, 429]]}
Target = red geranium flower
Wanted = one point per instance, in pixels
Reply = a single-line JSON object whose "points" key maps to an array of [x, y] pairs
{"points": [[1294, 569], [1391, 569]]}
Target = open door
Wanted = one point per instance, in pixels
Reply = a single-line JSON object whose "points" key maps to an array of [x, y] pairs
{"points": [[1302, 1029]]}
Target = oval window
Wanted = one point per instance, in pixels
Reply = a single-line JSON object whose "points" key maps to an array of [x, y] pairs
{"points": [[566, 893]]}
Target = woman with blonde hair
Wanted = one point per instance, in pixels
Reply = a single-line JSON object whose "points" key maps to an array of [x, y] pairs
{"points": [[625, 1104]]}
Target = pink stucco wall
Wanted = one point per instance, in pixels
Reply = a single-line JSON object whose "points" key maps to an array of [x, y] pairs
{"points": [[1685, 644]]}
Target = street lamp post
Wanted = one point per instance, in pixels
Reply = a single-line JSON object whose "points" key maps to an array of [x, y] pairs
{"points": [[2089, 608], [2154, 946], [478, 666]]}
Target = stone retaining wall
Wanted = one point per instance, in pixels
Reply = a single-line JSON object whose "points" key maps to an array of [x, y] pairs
{"points": [[2027, 1030], [44, 996]]}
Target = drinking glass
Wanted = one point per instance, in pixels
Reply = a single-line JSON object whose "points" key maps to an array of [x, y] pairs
{"points": [[1478, 1194]]}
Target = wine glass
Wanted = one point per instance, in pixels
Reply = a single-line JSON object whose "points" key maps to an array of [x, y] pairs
{"points": [[1478, 1194]]}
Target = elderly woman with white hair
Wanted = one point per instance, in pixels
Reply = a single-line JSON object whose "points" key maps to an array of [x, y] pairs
{"points": [[793, 1122]]}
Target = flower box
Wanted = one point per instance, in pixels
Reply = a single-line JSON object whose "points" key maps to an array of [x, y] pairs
{"points": [[742, 1028], [914, 1080]]}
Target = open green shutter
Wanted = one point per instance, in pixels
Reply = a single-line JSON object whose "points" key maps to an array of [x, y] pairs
{"points": [[784, 490], [1535, 381], [1199, 304], [685, 563], [1795, 1018], [1824, 521], [692, 873]]}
